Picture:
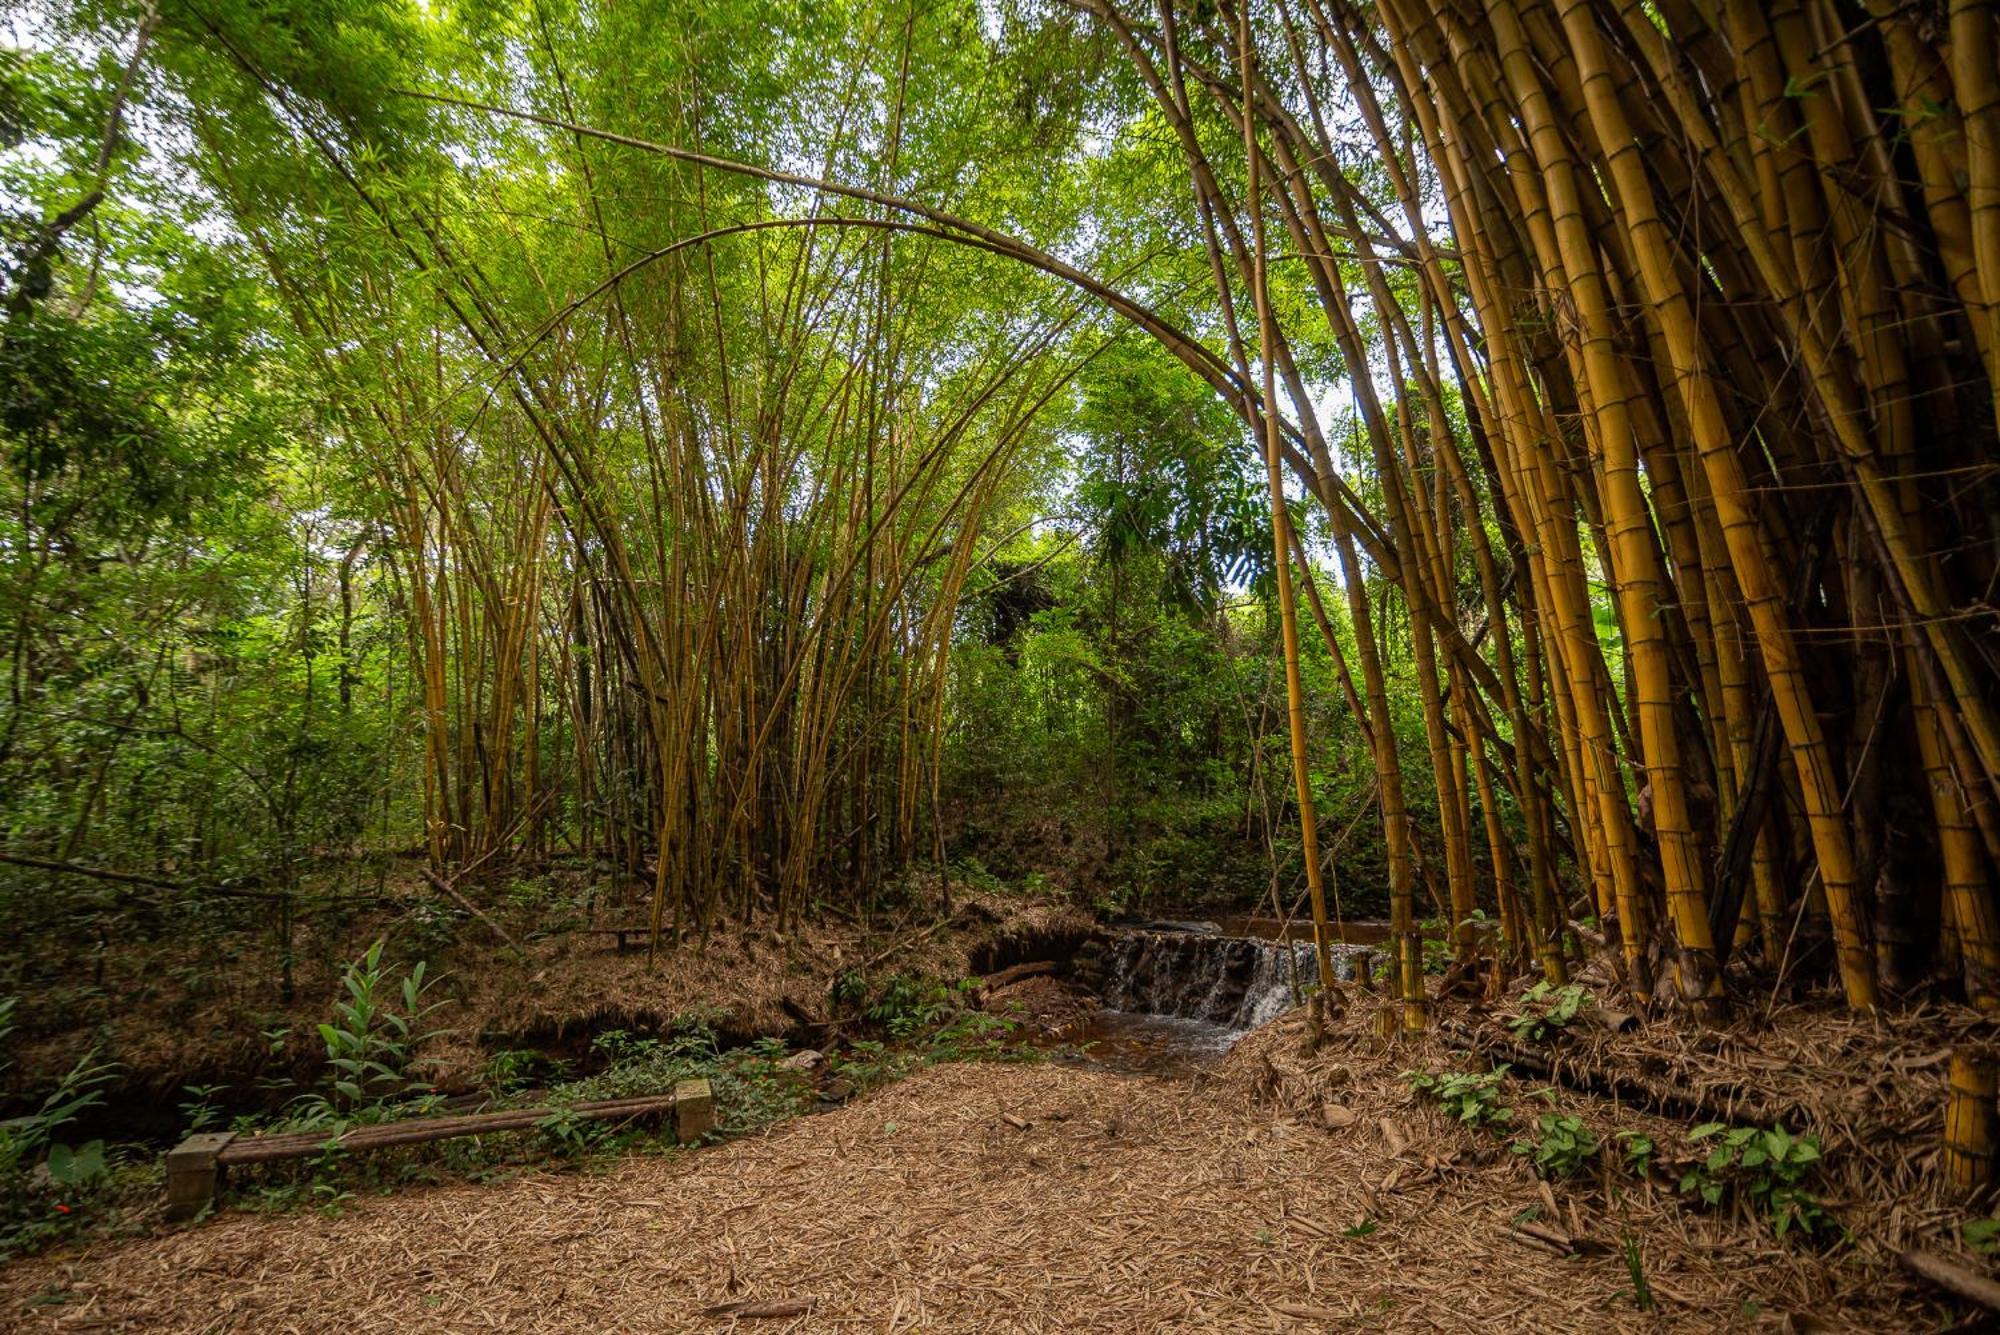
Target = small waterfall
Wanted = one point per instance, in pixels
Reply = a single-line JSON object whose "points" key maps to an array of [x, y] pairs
{"points": [[1237, 982]]}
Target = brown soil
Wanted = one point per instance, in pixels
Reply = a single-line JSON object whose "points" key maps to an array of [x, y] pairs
{"points": [[175, 1012], [1290, 1191]]}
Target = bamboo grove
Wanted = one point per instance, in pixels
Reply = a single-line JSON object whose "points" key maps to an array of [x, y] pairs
{"points": [[1629, 369], [1718, 296]]}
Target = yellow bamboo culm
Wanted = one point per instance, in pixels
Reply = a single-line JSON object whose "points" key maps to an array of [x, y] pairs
{"points": [[1969, 1117]]}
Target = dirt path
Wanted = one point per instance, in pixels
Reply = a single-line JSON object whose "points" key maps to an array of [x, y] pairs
{"points": [[1123, 1204]]}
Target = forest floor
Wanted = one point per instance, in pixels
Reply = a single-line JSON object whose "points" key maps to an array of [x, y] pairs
{"points": [[204, 1004], [1288, 1190]]}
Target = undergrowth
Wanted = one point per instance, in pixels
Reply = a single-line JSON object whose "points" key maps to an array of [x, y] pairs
{"points": [[924, 1021], [49, 1188], [1769, 1171], [373, 1070]]}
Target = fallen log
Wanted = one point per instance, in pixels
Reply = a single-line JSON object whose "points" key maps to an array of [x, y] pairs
{"points": [[443, 886], [1594, 1078], [1017, 972], [417, 1131], [802, 1017], [1952, 1278], [195, 1167]]}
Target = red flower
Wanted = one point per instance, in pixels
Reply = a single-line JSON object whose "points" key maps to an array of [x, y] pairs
{"points": [[61, 1208]]}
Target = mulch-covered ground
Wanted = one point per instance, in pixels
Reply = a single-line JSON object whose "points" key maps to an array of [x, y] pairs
{"points": [[1289, 1191]]}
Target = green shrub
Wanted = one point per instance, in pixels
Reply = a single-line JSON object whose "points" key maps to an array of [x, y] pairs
{"points": [[1560, 1145], [372, 1047], [1546, 1011], [1769, 1167], [1471, 1099], [36, 1208]]}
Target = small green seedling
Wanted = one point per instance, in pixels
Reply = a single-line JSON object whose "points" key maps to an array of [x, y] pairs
{"points": [[1545, 1011], [1560, 1146], [1639, 1151], [1471, 1099], [1769, 1166]]}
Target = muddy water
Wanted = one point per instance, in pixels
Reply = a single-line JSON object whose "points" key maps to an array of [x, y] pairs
{"points": [[1156, 1045], [1177, 996]]}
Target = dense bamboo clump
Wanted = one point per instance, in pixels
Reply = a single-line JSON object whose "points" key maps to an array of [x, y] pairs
{"points": [[1673, 377], [677, 594], [1716, 304], [1649, 353]]}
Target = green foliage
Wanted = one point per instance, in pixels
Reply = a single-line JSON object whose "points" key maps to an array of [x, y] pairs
{"points": [[515, 1069], [1768, 1166], [936, 1017], [373, 1042], [1639, 1151], [568, 1133], [1635, 1267], [45, 1184], [1981, 1235], [1465, 1097], [1560, 1146], [69, 1168], [1546, 1011], [201, 1109], [850, 988]]}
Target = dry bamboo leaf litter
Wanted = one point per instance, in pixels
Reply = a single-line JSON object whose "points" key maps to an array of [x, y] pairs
{"points": [[1124, 1205]]}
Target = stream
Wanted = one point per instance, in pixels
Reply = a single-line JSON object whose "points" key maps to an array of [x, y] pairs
{"points": [[1177, 995]]}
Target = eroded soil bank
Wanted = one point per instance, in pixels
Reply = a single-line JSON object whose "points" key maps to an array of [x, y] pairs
{"points": [[173, 1013]]}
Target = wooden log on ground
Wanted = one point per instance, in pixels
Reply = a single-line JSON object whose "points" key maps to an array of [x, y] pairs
{"points": [[445, 887], [417, 1131], [802, 1017], [1631, 1087], [1952, 1278], [195, 1167], [1019, 971]]}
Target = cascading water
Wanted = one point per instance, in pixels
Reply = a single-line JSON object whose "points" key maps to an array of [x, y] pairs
{"points": [[1235, 982], [1176, 996]]}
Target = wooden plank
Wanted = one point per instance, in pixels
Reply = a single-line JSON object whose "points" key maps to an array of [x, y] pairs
{"points": [[624, 935], [303, 1144], [196, 1166]]}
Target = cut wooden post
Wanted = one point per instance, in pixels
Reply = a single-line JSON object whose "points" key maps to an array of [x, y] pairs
{"points": [[193, 1173], [694, 1111], [1970, 1116]]}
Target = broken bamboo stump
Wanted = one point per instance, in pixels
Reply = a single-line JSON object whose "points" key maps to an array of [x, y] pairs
{"points": [[197, 1166], [1970, 1120]]}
